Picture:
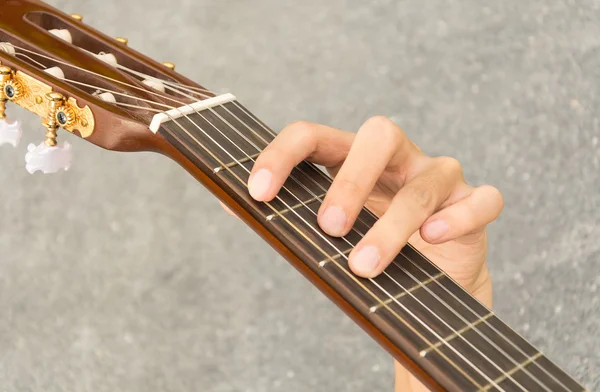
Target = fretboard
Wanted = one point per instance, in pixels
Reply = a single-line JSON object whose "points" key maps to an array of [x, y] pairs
{"points": [[452, 340]]}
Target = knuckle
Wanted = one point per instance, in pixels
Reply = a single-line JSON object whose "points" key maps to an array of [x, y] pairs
{"points": [[386, 129], [299, 126], [347, 186], [495, 194], [301, 132], [379, 121], [449, 164], [422, 196]]}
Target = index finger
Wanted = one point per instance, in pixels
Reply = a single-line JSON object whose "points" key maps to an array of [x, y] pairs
{"points": [[298, 141]]}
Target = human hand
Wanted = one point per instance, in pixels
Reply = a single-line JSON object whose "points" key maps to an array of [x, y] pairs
{"points": [[419, 199]]}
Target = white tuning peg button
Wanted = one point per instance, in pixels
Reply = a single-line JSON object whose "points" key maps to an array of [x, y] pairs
{"points": [[7, 48], [108, 58], [63, 34], [155, 84], [48, 159], [10, 132]]}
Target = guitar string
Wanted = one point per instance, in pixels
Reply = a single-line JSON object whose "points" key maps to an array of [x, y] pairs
{"points": [[526, 371], [142, 75], [137, 73], [142, 89], [167, 83]]}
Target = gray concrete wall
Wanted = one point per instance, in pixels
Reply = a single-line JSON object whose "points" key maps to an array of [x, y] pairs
{"points": [[124, 275]]}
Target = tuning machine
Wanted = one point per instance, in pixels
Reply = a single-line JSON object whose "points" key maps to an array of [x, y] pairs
{"points": [[10, 132], [49, 156]]}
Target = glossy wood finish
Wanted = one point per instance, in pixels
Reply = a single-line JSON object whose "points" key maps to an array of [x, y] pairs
{"points": [[417, 288]]}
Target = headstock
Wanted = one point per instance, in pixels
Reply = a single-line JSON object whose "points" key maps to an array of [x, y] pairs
{"points": [[82, 81]]}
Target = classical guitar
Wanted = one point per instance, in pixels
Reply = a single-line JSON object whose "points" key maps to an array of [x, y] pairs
{"points": [[81, 81]]}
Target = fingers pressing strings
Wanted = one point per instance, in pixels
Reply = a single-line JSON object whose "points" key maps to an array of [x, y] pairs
{"points": [[409, 209], [341, 254], [379, 145]]}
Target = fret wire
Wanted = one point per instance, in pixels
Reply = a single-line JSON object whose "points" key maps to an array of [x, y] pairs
{"points": [[322, 263], [295, 207], [373, 309], [343, 269], [470, 326], [232, 164], [402, 253], [512, 371]]}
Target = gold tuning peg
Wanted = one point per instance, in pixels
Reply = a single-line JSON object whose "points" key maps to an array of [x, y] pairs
{"points": [[77, 17], [169, 65], [122, 40], [54, 119]]}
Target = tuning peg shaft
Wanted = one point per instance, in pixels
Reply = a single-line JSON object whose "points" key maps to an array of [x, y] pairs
{"points": [[52, 122]]}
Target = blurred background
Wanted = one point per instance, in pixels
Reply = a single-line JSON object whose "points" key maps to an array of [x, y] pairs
{"points": [[123, 274]]}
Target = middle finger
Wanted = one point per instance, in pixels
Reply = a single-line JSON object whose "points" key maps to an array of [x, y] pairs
{"points": [[379, 143]]}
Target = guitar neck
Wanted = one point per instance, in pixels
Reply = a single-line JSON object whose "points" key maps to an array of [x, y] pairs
{"points": [[414, 310]]}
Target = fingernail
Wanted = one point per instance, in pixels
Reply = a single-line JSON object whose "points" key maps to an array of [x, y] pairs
{"points": [[435, 230], [334, 221], [366, 260], [259, 184]]}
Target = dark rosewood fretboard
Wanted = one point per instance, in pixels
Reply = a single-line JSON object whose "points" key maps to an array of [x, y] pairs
{"points": [[436, 328]]}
